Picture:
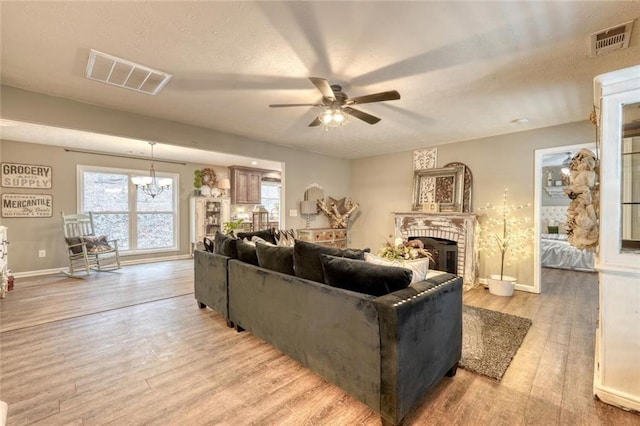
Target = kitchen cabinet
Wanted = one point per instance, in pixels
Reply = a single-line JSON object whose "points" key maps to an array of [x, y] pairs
{"points": [[245, 185]]}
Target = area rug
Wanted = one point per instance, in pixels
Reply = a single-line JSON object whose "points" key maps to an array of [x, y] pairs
{"points": [[490, 340]]}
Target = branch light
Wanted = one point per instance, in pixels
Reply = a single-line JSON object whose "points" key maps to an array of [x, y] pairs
{"points": [[333, 117], [151, 185]]}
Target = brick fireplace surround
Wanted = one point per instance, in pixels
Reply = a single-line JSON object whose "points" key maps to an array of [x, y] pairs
{"points": [[458, 227]]}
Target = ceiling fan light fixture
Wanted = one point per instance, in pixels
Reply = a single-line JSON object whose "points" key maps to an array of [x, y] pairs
{"points": [[333, 117]]}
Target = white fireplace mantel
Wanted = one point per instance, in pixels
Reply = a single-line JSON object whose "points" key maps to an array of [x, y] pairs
{"points": [[459, 227]]}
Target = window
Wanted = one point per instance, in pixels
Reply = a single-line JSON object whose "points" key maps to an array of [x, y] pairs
{"points": [[139, 222], [270, 199]]}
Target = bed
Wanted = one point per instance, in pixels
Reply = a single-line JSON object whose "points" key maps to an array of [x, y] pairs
{"points": [[555, 250]]}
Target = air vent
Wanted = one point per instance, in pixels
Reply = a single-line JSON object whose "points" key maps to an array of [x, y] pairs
{"points": [[126, 74], [611, 39]]}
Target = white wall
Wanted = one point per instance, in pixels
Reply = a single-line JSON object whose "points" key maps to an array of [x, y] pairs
{"points": [[383, 184]]}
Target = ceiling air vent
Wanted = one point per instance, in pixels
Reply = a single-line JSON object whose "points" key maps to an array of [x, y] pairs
{"points": [[122, 73], [611, 39]]}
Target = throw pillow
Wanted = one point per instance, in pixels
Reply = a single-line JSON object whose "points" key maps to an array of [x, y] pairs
{"points": [[76, 243], [208, 245], [225, 245], [247, 252], [418, 267], [266, 235], [274, 258], [363, 277], [96, 244], [285, 238], [306, 258]]}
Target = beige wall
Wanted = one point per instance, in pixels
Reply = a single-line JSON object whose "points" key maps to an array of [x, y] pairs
{"points": [[28, 235], [383, 184], [299, 168]]}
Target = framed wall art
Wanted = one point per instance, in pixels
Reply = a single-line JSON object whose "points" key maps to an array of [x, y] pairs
{"points": [[15, 175], [444, 186], [27, 205]]}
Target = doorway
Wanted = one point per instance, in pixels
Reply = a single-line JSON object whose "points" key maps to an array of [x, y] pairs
{"points": [[550, 203]]}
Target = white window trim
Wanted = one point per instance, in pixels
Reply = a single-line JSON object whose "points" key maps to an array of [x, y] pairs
{"points": [[80, 169]]}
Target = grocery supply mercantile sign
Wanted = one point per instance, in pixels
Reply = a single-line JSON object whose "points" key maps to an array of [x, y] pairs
{"points": [[16, 175], [27, 205]]}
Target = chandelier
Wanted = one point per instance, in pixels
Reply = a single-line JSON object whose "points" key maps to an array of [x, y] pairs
{"points": [[151, 185]]}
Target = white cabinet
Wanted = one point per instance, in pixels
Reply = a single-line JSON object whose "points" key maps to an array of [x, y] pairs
{"points": [[617, 358], [207, 215]]}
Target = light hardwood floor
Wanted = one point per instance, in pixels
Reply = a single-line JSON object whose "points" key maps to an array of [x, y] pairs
{"points": [[100, 351]]}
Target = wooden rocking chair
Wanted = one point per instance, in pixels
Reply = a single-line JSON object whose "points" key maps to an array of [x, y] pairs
{"points": [[85, 250]]}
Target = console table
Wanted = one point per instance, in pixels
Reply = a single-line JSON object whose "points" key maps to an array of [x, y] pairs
{"points": [[324, 236]]}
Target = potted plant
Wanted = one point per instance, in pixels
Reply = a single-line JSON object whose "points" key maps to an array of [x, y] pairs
{"points": [[504, 233], [232, 226], [197, 181]]}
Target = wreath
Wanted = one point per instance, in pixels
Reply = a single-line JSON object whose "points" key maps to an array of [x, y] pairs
{"points": [[209, 177]]}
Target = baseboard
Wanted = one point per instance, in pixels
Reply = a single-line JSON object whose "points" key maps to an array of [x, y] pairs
{"points": [[122, 262], [614, 397]]}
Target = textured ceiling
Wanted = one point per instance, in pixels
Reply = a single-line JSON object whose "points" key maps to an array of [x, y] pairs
{"points": [[464, 70]]}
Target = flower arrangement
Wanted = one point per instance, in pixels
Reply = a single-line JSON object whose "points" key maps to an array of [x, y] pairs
{"points": [[506, 233], [403, 250]]}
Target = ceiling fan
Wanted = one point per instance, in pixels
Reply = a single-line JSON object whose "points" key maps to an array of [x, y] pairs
{"points": [[336, 104]]}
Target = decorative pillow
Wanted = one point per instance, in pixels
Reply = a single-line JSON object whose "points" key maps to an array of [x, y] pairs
{"points": [[363, 277], [266, 235], [285, 238], [225, 245], [418, 267], [72, 241], [306, 258], [96, 244], [553, 229], [247, 252], [279, 259], [208, 245]]}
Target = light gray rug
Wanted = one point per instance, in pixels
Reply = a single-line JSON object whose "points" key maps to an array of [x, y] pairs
{"points": [[490, 340]]}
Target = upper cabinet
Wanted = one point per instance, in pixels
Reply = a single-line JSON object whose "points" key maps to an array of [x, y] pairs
{"points": [[245, 185]]}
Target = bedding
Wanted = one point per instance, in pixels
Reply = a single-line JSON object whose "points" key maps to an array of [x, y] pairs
{"points": [[556, 252]]}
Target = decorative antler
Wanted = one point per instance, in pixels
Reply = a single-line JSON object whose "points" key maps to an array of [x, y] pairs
{"points": [[338, 220]]}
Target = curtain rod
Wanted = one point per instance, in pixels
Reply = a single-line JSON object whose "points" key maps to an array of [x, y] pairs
{"points": [[135, 157]]}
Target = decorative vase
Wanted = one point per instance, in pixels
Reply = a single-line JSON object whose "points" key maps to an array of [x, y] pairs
{"points": [[501, 287], [205, 191]]}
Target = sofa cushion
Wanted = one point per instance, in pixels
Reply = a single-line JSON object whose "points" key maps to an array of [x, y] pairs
{"points": [[274, 258], [306, 258], [266, 235], [419, 267], [364, 277], [247, 252], [225, 245]]}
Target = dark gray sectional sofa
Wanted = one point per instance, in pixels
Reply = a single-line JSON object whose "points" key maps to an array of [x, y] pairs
{"points": [[387, 351]]}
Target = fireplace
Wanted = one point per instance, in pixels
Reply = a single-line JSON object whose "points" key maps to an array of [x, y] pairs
{"points": [[444, 253], [460, 228]]}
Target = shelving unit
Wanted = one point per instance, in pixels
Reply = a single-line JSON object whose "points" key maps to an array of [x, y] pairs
{"points": [[208, 216]]}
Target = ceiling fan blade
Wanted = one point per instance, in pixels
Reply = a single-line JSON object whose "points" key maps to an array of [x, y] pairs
{"points": [[315, 122], [371, 119], [324, 87], [291, 105], [391, 95]]}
